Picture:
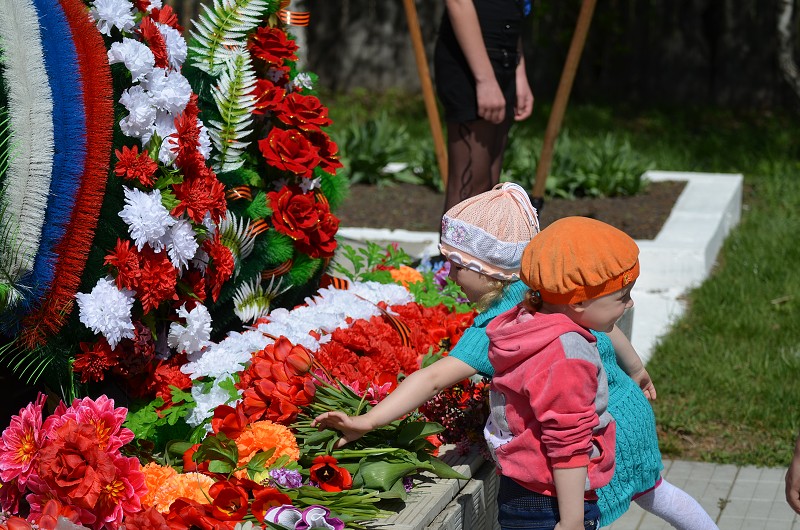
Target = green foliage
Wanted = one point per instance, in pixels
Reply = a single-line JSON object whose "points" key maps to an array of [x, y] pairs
{"points": [[604, 166], [303, 269], [334, 187], [367, 148], [150, 421], [364, 262]]}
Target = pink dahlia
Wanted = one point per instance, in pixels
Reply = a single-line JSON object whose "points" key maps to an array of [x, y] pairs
{"points": [[100, 414], [20, 444]]}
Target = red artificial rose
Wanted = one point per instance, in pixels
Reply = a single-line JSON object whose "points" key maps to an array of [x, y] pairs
{"points": [[229, 501], [327, 150], [305, 219], [229, 421], [289, 151], [268, 96], [132, 165], [73, 467], [328, 475], [271, 46], [303, 112], [266, 498]]}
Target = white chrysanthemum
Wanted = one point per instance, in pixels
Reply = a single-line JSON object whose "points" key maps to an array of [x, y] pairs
{"points": [[195, 335], [142, 114], [146, 217], [107, 310], [176, 45], [230, 356], [136, 56], [203, 140], [205, 402], [154, 4], [310, 184], [303, 80], [109, 14], [181, 243], [168, 90], [168, 151]]}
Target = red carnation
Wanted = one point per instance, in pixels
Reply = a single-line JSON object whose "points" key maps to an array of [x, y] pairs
{"points": [[289, 151], [125, 258], [155, 41], [158, 279], [132, 165], [220, 266], [200, 193], [94, 360]]}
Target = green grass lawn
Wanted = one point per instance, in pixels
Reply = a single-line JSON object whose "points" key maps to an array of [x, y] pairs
{"points": [[728, 373]]}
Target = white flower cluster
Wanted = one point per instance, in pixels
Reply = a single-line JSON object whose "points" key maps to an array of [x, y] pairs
{"points": [[109, 14], [323, 314], [195, 335], [158, 95], [107, 310]]}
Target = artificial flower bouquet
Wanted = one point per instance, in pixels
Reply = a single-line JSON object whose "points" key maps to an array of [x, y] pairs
{"points": [[250, 454]]}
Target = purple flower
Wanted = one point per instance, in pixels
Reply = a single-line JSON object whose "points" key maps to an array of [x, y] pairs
{"points": [[408, 483], [288, 478]]}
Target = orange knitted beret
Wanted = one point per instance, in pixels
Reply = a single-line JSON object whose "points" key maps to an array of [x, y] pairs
{"points": [[577, 258]]}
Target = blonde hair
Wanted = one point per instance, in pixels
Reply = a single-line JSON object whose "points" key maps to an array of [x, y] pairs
{"points": [[496, 288]]}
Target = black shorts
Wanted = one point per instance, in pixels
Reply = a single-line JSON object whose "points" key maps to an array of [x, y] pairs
{"points": [[500, 21]]}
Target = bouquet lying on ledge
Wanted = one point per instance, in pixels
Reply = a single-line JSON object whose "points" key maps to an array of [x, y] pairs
{"points": [[229, 443]]}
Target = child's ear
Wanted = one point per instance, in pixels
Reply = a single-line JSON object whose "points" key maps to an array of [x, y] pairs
{"points": [[579, 307]]}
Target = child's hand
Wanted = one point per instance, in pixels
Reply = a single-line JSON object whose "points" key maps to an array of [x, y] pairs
{"points": [[351, 427], [642, 378]]}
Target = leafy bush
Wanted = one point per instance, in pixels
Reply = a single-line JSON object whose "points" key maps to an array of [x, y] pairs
{"points": [[374, 151], [604, 166]]}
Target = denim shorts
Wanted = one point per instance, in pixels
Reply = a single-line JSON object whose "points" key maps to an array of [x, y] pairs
{"points": [[521, 508]]}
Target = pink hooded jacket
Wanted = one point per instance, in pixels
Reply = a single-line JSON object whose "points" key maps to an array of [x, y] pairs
{"points": [[548, 401]]}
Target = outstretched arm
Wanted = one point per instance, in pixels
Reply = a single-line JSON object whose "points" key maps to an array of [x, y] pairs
{"points": [[631, 363], [464, 18], [569, 484], [415, 390]]}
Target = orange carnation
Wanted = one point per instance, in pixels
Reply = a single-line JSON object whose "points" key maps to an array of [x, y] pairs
{"points": [[193, 486], [154, 476], [406, 275], [263, 435]]}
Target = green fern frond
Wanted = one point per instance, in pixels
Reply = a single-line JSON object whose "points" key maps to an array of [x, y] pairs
{"points": [[223, 26], [27, 365], [235, 102]]}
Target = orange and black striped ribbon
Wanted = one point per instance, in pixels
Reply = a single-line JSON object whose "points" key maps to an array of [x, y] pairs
{"points": [[326, 280], [280, 270], [259, 226], [239, 192], [293, 18]]}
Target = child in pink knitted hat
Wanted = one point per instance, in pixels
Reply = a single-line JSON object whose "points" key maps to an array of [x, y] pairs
{"points": [[483, 238]]}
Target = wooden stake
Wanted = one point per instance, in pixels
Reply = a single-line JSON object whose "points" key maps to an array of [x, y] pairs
{"points": [[427, 88], [560, 102]]}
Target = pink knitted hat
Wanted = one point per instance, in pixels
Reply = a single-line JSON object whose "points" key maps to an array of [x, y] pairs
{"points": [[488, 232]]}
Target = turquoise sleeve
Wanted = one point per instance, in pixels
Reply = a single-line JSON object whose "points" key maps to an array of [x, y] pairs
{"points": [[473, 349]]}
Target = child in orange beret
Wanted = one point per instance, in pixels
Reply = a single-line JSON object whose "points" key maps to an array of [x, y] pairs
{"points": [[550, 430]]}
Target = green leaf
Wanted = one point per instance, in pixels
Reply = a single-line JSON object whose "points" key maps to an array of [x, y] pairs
{"points": [[414, 430], [219, 448], [380, 474], [442, 470]]}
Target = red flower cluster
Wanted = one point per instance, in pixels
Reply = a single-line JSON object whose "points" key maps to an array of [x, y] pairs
{"points": [[149, 274], [220, 266], [132, 165], [462, 410], [306, 219], [72, 458], [270, 45], [277, 383]]}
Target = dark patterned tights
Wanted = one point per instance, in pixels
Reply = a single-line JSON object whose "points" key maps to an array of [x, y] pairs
{"points": [[475, 158]]}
